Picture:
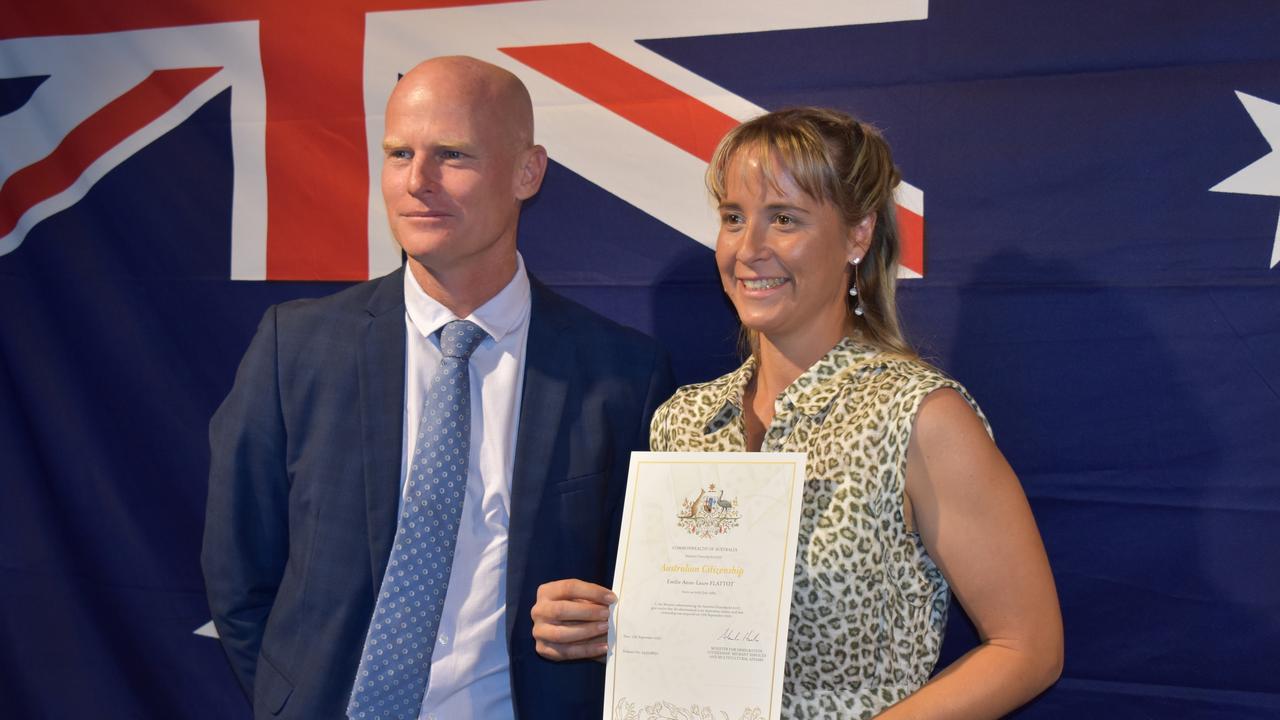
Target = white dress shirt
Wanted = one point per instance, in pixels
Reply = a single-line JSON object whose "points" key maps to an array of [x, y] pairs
{"points": [[469, 665]]}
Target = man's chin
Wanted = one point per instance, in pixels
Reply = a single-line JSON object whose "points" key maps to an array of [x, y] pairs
{"points": [[425, 259], [422, 246]]}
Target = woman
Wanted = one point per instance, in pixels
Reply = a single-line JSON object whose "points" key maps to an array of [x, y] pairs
{"points": [[907, 496]]}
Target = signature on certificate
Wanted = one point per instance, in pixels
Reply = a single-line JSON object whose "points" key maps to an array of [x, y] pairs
{"points": [[735, 635]]}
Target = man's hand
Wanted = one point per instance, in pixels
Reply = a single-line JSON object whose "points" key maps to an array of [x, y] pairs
{"points": [[571, 620]]}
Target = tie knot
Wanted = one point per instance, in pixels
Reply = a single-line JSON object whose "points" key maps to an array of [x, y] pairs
{"points": [[460, 338]]}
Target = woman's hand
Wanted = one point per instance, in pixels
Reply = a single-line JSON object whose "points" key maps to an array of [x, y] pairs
{"points": [[571, 620]]}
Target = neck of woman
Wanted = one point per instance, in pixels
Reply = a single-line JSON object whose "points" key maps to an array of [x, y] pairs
{"points": [[779, 361]]}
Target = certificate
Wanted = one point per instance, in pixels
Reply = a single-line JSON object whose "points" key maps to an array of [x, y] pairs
{"points": [[705, 562]]}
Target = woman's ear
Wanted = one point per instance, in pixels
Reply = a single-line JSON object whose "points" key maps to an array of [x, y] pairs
{"points": [[860, 234]]}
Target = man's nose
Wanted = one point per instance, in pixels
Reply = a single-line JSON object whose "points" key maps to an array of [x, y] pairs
{"points": [[424, 176]]}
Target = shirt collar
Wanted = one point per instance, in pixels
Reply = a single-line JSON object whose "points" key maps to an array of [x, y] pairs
{"points": [[726, 397], [810, 394], [499, 316]]}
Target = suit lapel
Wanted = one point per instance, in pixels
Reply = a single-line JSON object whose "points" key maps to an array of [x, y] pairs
{"points": [[549, 364], [381, 367]]}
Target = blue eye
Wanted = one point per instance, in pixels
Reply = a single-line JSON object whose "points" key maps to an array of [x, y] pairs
{"points": [[451, 155]]}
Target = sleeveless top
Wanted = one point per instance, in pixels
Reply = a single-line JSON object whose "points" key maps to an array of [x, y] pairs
{"points": [[869, 605]]}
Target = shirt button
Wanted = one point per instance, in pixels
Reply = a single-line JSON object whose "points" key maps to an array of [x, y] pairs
{"points": [[444, 639]]}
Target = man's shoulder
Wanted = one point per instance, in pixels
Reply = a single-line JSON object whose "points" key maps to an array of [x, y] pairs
{"points": [[580, 321], [355, 302]]}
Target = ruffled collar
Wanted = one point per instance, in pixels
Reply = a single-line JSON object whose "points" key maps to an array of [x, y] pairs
{"points": [[810, 394]]}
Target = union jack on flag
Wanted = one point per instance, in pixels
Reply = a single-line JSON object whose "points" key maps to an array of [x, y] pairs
{"points": [[306, 124]]}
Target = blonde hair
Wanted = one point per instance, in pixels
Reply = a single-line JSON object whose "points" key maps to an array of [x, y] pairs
{"points": [[836, 158]]}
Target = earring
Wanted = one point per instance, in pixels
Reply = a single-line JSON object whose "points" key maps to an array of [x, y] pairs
{"points": [[853, 289]]}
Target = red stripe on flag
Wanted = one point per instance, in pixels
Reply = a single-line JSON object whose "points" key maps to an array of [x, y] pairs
{"points": [[317, 164], [81, 17], [89, 140], [317, 156], [911, 236], [675, 116]]}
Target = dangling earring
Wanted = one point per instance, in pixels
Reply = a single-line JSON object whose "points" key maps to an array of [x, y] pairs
{"points": [[853, 289]]}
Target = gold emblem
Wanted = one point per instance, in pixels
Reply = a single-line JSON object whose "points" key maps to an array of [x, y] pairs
{"points": [[708, 514]]}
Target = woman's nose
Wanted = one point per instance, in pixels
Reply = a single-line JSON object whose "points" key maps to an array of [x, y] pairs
{"points": [[755, 242]]}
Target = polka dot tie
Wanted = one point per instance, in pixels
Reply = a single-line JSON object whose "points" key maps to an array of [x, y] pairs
{"points": [[396, 661]]}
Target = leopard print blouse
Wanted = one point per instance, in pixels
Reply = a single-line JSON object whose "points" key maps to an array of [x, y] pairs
{"points": [[869, 605]]}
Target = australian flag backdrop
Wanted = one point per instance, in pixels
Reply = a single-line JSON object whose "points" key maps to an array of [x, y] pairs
{"points": [[1092, 211]]}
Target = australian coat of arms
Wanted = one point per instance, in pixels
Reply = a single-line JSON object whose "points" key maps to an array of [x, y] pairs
{"points": [[708, 513]]}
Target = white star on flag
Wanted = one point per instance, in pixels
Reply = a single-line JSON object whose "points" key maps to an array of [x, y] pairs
{"points": [[1262, 177]]}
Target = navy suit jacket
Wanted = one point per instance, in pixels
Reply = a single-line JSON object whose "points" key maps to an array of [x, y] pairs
{"points": [[305, 480]]}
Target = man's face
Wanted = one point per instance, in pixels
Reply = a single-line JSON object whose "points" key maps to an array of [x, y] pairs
{"points": [[450, 176]]}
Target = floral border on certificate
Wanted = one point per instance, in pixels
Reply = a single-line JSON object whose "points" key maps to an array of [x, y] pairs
{"points": [[663, 710]]}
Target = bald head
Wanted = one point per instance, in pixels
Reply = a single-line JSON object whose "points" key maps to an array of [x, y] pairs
{"points": [[458, 162], [478, 86]]}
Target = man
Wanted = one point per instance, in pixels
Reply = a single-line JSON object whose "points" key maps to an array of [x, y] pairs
{"points": [[318, 471]]}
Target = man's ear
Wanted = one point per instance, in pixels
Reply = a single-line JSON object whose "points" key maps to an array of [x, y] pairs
{"points": [[531, 166]]}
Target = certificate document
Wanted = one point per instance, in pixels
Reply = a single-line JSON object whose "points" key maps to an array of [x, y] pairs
{"points": [[705, 562]]}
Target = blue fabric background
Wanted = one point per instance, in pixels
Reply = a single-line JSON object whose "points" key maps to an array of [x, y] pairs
{"points": [[1116, 320]]}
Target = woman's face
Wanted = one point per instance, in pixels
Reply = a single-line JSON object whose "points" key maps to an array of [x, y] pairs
{"points": [[783, 255]]}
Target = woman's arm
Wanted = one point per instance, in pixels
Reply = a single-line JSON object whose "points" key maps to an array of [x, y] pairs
{"points": [[976, 524]]}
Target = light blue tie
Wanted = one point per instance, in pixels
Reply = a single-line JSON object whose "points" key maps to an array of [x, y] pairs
{"points": [[396, 661]]}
